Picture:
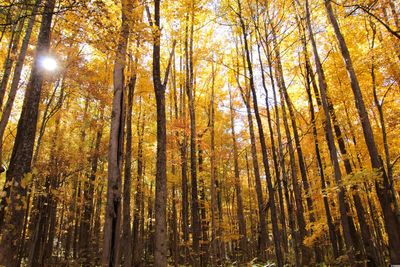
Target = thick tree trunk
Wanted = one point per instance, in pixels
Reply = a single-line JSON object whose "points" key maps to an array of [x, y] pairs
{"points": [[126, 226], [112, 225], [20, 163], [13, 92]]}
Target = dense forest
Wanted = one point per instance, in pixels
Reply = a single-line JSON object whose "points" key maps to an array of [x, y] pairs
{"points": [[199, 133]]}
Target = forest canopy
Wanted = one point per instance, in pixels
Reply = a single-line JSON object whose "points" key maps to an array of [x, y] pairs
{"points": [[199, 133]]}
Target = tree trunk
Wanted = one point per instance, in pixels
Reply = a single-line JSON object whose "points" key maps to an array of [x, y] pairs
{"points": [[12, 50], [13, 91], [282, 215], [160, 253], [86, 250], [262, 235], [137, 245], [383, 190], [331, 227], [126, 227], [112, 225], [238, 189], [271, 198], [20, 163], [193, 157]]}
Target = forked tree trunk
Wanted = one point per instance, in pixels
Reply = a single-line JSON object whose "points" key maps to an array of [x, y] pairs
{"points": [[112, 225], [126, 224]]}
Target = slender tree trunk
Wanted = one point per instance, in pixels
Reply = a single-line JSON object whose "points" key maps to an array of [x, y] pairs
{"points": [[160, 253], [137, 245], [203, 214], [86, 250], [8, 64], [261, 211], [215, 240], [185, 191], [238, 189], [282, 156], [331, 227], [193, 157], [274, 153], [271, 198]]}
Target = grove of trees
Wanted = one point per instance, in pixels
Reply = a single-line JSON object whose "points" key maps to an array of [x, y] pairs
{"points": [[199, 133]]}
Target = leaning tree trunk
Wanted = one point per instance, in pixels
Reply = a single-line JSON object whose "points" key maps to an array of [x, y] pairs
{"points": [[331, 227], [271, 199], [260, 201], [365, 231], [392, 224], [333, 156]]}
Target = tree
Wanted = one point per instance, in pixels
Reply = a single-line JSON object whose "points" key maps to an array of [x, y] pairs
{"points": [[20, 163]]}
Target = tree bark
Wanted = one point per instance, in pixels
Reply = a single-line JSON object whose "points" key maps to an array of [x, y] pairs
{"points": [[13, 91], [126, 226], [392, 224], [193, 157], [160, 253], [20, 163], [112, 225]]}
